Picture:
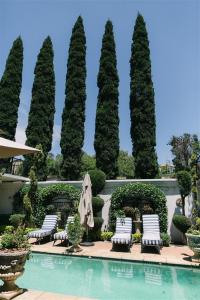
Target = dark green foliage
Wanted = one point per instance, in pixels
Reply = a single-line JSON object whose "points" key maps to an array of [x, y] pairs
{"points": [[98, 179], [41, 115], [106, 142], [95, 233], [88, 162], [73, 117], [166, 239], [15, 240], [97, 204], [17, 219], [142, 106], [10, 87], [126, 166], [182, 223], [136, 195], [185, 185], [44, 197], [182, 148], [29, 198]]}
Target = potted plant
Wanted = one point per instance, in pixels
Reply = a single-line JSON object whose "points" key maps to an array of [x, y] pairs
{"points": [[14, 250], [75, 233], [193, 238]]}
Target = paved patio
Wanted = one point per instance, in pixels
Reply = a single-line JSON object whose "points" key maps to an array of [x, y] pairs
{"points": [[177, 255], [39, 295]]}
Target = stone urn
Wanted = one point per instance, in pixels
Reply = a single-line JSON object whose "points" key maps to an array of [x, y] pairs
{"points": [[11, 267], [193, 242]]}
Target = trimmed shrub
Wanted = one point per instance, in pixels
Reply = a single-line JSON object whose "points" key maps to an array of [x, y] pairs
{"points": [[43, 199], [95, 233], [166, 239], [17, 219], [135, 195], [98, 179], [97, 204], [136, 237], [106, 235], [182, 223]]}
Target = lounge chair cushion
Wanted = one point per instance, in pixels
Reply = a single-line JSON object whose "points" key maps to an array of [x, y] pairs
{"points": [[151, 239], [121, 238], [48, 227], [39, 233], [62, 235]]}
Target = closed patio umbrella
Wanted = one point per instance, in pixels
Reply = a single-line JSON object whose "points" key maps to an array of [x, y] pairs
{"points": [[85, 206], [10, 148]]}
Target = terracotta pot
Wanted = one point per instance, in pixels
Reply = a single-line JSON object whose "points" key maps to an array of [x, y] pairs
{"points": [[11, 267]]}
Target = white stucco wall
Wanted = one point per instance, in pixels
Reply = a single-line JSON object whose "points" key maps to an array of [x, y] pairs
{"points": [[7, 191], [168, 186]]}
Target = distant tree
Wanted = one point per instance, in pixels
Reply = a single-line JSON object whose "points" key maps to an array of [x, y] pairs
{"points": [[88, 162], [186, 150], [185, 186], [106, 142], [126, 164], [142, 105], [73, 117], [41, 115], [182, 148], [10, 88], [54, 165]]}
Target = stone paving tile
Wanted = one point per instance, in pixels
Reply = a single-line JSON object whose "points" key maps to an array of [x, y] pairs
{"points": [[39, 295], [173, 254]]}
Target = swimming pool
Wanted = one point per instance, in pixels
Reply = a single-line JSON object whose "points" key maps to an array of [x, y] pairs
{"points": [[109, 279]]}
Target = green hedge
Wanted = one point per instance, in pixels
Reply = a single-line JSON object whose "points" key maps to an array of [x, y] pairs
{"points": [[44, 198], [134, 194]]}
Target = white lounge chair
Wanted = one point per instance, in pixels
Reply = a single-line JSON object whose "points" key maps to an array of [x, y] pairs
{"points": [[62, 235], [123, 232], [151, 232], [48, 228]]}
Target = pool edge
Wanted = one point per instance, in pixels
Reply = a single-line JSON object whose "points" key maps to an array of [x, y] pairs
{"points": [[195, 266]]}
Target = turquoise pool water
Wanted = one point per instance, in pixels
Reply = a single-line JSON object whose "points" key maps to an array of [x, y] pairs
{"points": [[109, 279]]}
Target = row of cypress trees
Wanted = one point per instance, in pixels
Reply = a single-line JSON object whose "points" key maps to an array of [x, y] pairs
{"points": [[42, 109]]}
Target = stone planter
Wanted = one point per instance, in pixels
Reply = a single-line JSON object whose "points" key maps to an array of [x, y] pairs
{"points": [[193, 242], [11, 267]]}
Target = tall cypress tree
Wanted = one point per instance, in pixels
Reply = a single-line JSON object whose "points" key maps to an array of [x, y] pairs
{"points": [[142, 106], [106, 142], [41, 115], [73, 117], [10, 87]]}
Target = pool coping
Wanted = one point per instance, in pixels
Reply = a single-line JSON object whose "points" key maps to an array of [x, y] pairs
{"points": [[172, 264]]}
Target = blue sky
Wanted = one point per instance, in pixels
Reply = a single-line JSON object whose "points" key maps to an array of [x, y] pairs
{"points": [[174, 34]]}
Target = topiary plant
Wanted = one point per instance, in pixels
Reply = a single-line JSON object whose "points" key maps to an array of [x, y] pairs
{"points": [[185, 186], [182, 223], [135, 194], [17, 219], [98, 179], [166, 239], [97, 204], [75, 233]]}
